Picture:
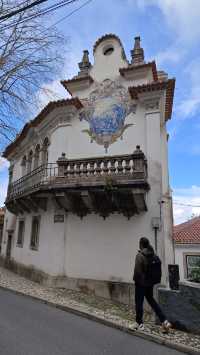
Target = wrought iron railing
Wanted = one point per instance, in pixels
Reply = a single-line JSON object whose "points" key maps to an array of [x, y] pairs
{"points": [[80, 171]]}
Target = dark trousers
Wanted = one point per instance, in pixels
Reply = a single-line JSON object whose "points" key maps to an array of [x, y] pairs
{"points": [[147, 292]]}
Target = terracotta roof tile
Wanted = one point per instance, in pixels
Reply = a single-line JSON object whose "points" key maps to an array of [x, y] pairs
{"points": [[2, 210], [66, 83], [140, 66], [39, 118], [187, 232], [77, 79], [2, 214]]}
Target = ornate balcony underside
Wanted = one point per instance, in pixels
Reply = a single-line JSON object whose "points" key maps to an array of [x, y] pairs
{"points": [[102, 185]]}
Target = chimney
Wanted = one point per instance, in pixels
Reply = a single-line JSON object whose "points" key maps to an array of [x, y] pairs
{"points": [[85, 64], [137, 53]]}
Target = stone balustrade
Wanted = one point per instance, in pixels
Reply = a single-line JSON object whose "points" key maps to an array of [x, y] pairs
{"points": [[99, 169], [133, 165]]}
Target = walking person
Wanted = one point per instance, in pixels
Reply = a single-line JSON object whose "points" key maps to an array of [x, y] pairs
{"points": [[147, 273]]}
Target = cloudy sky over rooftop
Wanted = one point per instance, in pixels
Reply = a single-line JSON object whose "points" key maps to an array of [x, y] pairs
{"points": [[170, 34]]}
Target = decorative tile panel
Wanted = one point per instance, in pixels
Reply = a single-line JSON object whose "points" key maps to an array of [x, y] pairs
{"points": [[106, 111]]}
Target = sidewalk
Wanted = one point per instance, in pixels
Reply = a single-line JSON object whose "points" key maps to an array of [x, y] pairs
{"points": [[97, 308]]}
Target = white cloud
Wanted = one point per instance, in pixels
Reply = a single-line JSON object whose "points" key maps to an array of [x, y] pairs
{"points": [[195, 149], [182, 19], [186, 203], [192, 191], [51, 92], [54, 90], [182, 16], [4, 164], [190, 104], [3, 190], [173, 54]]}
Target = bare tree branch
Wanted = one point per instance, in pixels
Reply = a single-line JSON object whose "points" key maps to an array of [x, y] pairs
{"points": [[29, 57]]}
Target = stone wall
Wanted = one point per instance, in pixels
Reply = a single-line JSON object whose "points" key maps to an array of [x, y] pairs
{"points": [[182, 307], [122, 292], [29, 272]]}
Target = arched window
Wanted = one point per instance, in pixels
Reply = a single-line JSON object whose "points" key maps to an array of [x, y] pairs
{"points": [[23, 165], [29, 162], [37, 156], [45, 151], [10, 173]]}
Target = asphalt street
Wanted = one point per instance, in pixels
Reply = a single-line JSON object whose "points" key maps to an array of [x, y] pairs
{"points": [[28, 327]]}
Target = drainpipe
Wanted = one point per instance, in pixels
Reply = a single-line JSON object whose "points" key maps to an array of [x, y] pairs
{"points": [[156, 226], [156, 239]]}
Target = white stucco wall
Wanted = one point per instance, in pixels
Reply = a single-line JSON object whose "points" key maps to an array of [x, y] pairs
{"points": [[98, 243], [107, 66], [59, 142], [50, 254], [76, 144], [105, 249], [95, 248], [17, 169], [92, 247]]}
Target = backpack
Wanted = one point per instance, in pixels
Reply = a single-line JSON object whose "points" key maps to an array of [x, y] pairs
{"points": [[154, 270]]}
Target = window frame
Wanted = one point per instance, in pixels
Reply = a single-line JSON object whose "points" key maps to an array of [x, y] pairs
{"points": [[20, 245], [186, 255], [35, 246], [23, 165], [36, 160]]}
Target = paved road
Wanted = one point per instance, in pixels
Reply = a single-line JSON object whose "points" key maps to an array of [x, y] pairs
{"points": [[28, 327]]}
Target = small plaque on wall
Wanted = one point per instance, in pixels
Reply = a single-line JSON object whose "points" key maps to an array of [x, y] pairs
{"points": [[58, 218]]}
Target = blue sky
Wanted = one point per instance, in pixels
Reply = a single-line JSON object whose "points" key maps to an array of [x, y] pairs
{"points": [[170, 34]]}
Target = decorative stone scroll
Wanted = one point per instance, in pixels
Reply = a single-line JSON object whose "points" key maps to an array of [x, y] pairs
{"points": [[151, 105]]}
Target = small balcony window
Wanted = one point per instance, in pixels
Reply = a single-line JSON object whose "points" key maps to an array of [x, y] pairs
{"points": [[20, 236], [35, 233], [37, 157], [108, 50], [45, 151], [24, 165], [29, 162]]}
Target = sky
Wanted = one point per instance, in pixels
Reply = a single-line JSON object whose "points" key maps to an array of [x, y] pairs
{"points": [[170, 34]]}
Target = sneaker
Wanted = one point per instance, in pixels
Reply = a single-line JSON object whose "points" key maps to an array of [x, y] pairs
{"points": [[166, 326], [138, 326], [141, 327]]}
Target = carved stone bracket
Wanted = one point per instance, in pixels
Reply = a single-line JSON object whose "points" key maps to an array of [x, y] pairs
{"points": [[152, 105], [101, 185]]}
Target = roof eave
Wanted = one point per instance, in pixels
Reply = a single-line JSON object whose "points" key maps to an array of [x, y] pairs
{"points": [[37, 120], [82, 80], [133, 68], [168, 85]]}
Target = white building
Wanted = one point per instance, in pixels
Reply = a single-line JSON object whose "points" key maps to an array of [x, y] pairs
{"points": [[89, 175], [187, 249]]}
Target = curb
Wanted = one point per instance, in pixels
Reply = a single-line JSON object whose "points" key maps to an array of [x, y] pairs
{"points": [[155, 338]]}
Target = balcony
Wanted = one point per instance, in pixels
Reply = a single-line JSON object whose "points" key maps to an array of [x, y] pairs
{"points": [[101, 185]]}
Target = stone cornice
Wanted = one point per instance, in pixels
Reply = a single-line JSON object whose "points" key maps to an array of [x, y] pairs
{"points": [[43, 130], [134, 68], [74, 102], [168, 86], [77, 83]]}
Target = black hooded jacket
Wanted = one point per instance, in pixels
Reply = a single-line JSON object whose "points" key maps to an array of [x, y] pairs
{"points": [[141, 264]]}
